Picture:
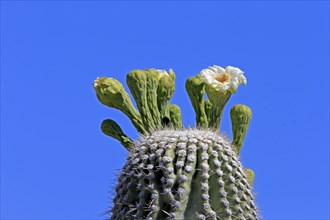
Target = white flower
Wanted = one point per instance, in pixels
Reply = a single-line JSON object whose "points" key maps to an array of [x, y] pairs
{"points": [[223, 79]]}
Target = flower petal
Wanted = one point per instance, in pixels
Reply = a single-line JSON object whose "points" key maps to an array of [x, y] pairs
{"points": [[216, 69], [207, 76], [243, 79], [234, 87], [233, 71], [219, 69], [213, 69]]}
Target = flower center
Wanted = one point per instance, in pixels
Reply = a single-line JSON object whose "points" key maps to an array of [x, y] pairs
{"points": [[224, 77]]}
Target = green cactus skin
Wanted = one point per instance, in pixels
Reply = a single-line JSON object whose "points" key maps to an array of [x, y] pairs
{"points": [[208, 107], [183, 174]]}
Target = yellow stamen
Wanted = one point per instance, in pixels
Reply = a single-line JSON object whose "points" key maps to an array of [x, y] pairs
{"points": [[224, 77]]}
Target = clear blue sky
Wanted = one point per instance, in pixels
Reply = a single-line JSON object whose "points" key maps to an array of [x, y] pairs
{"points": [[56, 163]]}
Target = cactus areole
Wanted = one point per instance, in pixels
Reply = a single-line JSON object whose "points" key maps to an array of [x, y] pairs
{"points": [[174, 172]]}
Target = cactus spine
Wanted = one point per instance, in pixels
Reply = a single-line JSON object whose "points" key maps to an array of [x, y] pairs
{"points": [[173, 172]]}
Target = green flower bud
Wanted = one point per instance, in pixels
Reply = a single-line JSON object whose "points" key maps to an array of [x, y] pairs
{"points": [[196, 91], [137, 81], [152, 85], [175, 115], [111, 92], [250, 175], [240, 118], [165, 92], [112, 129]]}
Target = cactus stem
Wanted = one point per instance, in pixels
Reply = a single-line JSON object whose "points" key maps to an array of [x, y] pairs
{"points": [[144, 194], [155, 193], [195, 203], [214, 166], [185, 179], [169, 175], [190, 174]]}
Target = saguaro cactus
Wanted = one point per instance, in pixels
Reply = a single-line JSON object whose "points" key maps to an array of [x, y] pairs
{"points": [[174, 172]]}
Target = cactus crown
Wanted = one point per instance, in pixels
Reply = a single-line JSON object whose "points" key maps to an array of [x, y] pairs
{"points": [[174, 172]]}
